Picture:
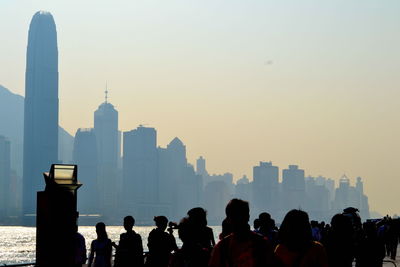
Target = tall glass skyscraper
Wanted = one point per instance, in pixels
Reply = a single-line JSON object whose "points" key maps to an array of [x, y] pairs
{"points": [[106, 131], [41, 107]]}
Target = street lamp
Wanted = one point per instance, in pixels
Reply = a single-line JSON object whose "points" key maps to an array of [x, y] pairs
{"points": [[56, 220]]}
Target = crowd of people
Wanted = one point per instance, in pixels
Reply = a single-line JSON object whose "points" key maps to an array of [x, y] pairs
{"points": [[296, 243]]}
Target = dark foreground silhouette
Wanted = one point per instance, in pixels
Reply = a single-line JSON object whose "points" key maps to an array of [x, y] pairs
{"points": [[297, 243]]}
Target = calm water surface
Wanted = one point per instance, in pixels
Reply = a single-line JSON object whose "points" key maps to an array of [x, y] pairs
{"points": [[17, 244]]}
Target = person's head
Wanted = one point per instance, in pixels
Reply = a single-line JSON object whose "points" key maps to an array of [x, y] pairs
{"points": [[129, 222], [238, 214], [198, 216], [185, 231], [226, 229], [314, 224], [341, 226], [161, 222], [370, 230], [101, 230], [295, 231], [264, 216], [265, 220], [256, 223]]}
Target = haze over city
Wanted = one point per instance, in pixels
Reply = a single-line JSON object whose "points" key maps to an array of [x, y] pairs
{"points": [[313, 84]]}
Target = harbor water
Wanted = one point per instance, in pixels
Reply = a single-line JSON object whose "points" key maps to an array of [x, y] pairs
{"points": [[18, 244]]}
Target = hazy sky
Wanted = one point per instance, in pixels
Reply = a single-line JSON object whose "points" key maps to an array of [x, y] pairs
{"points": [[314, 83]]}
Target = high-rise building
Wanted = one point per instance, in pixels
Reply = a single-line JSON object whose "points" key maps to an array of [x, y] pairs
{"points": [[243, 189], [85, 156], [266, 188], [5, 178], [106, 132], [41, 108], [140, 173], [201, 167], [293, 188]]}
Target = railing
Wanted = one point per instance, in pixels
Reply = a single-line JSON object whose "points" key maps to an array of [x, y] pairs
{"points": [[19, 264], [390, 261], [33, 264]]}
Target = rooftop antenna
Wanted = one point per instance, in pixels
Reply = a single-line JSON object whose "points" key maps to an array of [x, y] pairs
{"points": [[106, 93]]}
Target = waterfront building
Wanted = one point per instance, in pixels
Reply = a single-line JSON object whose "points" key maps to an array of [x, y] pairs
{"points": [[317, 198], [216, 195], [5, 178], [266, 188], [106, 132], [293, 188], [85, 156], [187, 187], [243, 189], [41, 108], [140, 173]]}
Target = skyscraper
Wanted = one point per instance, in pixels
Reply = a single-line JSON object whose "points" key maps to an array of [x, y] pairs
{"points": [[266, 187], [5, 177], [140, 172], [85, 156], [106, 132], [41, 107], [293, 187]]}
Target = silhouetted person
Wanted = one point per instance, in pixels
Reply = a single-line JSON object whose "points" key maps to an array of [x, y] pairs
{"points": [[129, 251], [243, 247], [160, 244], [226, 229], [296, 247], [256, 225], [339, 243], [80, 249], [267, 228], [315, 231], [323, 232], [100, 249], [192, 253], [371, 250], [204, 234], [392, 237]]}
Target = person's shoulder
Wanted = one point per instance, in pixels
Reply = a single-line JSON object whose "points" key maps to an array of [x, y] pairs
{"points": [[256, 237], [224, 241], [137, 235], [80, 236]]}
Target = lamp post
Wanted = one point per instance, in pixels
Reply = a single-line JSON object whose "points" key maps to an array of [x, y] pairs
{"points": [[56, 220]]}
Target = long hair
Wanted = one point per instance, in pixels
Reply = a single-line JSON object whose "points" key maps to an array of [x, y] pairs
{"points": [[101, 231], [295, 231]]}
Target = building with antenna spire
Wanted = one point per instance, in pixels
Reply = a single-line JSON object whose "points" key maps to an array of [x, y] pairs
{"points": [[106, 132]]}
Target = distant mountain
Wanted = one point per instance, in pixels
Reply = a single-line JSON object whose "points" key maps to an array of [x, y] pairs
{"points": [[12, 127]]}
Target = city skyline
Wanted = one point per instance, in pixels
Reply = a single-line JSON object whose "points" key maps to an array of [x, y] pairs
{"points": [[331, 130]]}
